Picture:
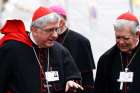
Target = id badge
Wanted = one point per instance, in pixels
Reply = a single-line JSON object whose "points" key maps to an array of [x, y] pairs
{"points": [[126, 77], [52, 76]]}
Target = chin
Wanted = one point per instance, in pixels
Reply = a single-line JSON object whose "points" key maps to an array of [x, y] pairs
{"points": [[50, 45], [124, 50]]}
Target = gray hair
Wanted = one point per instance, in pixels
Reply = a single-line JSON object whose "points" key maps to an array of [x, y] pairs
{"points": [[121, 23], [44, 20]]}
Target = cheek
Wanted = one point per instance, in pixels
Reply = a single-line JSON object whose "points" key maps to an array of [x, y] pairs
{"points": [[120, 42], [130, 43], [40, 39], [44, 38]]}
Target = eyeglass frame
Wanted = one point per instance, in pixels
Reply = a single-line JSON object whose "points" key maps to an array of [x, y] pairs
{"points": [[57, 30]]}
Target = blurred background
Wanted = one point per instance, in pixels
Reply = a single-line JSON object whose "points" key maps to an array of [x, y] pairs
{"points": [[92, 18]]}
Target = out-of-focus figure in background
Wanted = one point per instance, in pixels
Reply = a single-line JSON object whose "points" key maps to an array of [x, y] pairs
{"points": [[79, 47]]}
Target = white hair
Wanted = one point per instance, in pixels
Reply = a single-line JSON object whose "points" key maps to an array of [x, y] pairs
{"points": [[121, 23]]}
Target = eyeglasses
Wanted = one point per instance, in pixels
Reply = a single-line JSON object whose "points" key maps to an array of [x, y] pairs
{"points": [[57, 30]]}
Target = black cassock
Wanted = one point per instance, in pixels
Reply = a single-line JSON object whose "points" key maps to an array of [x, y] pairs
{"points": [[80, 49], [109, 67], [20, 71]]}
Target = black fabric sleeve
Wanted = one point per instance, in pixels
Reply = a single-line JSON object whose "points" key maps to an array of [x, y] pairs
{"points": [[71, 69], [102, 75]]}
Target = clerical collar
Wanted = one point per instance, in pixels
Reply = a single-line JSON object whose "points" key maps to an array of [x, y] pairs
{"points": [[32, 38]]}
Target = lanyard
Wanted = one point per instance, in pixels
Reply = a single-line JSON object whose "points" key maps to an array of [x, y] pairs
{"points": [[126, 68], [41, 67]]}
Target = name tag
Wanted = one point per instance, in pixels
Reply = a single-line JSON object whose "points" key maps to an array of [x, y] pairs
{"points": [[126, 77], [52, 76]]}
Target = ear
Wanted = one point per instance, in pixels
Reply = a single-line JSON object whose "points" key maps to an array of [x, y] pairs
{"points": [[138, 34], [34, 30], [62, 23]]}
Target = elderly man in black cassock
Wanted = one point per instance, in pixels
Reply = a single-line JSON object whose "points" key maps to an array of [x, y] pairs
{"points": [[118, 69], [34, 62], [80, 49]]}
